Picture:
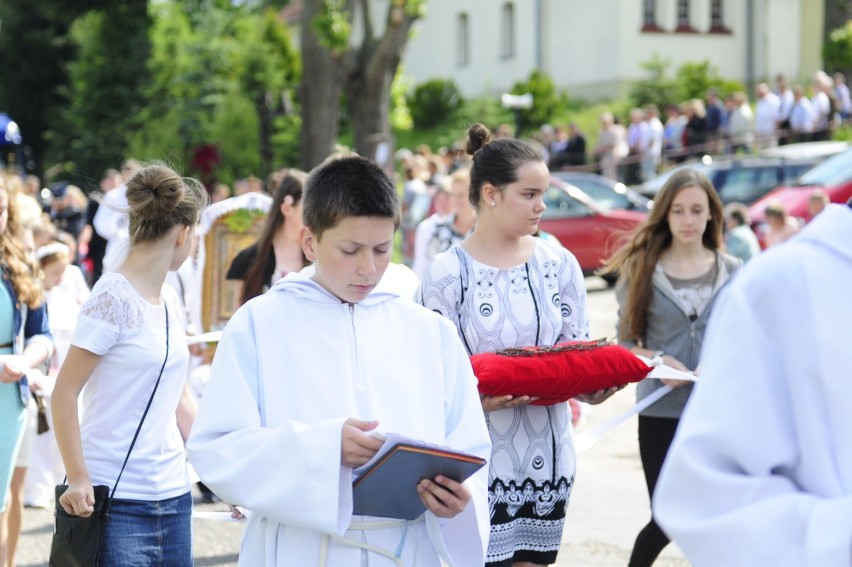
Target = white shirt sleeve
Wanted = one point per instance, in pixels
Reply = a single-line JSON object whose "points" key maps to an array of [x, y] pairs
{"points": [[100, 321]]}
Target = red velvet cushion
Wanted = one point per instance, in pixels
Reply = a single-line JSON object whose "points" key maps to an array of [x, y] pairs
{"points": [[558, 373]]}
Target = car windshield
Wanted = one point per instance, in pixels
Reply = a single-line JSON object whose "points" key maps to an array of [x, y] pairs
{"points": [[748, 184], [604, 196], [835, 170], [561, 205]]}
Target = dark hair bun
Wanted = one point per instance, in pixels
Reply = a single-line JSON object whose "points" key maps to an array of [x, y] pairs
{"points": [[154, 192], [477, 136]]}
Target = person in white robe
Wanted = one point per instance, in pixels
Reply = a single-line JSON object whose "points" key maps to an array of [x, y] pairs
{"points": [[268, 432], [760, 472], [300, 368]]}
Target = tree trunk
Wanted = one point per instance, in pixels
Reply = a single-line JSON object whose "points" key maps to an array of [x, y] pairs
{"points": [[319, 94], [369, 105], [367, 72]]}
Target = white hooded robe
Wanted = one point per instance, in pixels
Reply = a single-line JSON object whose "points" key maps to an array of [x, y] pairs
{"points": [[291, 367]]}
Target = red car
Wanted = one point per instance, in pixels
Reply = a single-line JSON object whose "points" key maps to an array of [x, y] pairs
{"points": [[834, 176], [583, 226]]}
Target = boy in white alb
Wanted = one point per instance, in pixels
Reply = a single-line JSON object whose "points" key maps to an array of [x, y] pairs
{"points": [[304, 373]]}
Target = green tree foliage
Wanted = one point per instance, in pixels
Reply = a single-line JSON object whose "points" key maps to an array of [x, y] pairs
{"points": [[207, 67], [837, 51], [34, 49], [400, 113], [692, 80], [432, 101], [546, 100], [657, 88], [105, 79]]}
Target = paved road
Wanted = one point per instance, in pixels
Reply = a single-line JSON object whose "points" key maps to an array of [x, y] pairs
{"points": [[608, 507]]}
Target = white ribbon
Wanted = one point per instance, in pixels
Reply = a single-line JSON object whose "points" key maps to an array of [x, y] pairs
{"points": [[586, 440]]}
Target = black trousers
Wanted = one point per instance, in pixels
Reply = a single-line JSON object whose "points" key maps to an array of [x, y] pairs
{"points": [[655, 438]]}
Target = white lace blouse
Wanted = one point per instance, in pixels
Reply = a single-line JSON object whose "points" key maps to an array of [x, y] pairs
{"points": [[129, 334]]}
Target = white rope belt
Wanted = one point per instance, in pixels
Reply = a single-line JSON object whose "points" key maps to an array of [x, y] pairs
{"points": [[395, 556]]}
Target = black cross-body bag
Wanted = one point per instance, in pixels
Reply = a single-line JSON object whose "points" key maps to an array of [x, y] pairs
{"points": [[77, 540]]}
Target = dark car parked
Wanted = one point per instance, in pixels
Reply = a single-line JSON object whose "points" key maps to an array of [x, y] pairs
{"points": [[745, 180]]}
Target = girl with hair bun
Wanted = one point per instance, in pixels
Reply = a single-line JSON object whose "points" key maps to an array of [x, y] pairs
{"points": [[117, 350], [502, 287]]}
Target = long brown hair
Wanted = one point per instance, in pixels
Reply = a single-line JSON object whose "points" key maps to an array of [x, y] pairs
{"points": [[20, 269], [292, 185], [637, 259]]}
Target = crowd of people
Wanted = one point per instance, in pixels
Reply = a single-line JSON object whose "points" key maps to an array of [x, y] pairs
{"points": [[634, 153], [346, 322]]}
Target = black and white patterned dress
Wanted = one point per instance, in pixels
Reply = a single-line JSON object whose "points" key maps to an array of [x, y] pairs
{"points": [[532, 465]]}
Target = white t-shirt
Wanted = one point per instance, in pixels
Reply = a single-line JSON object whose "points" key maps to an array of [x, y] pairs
{"points": [[130, 334]]}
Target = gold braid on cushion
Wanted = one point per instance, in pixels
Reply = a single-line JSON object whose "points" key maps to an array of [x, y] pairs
{"points": [[561, 347]]}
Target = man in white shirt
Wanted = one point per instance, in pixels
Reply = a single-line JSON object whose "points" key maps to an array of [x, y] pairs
{"points": [[766, 116], [740, 124], [822, 106], [739, 494], [652, 142], [785, 96], [801, 116]]}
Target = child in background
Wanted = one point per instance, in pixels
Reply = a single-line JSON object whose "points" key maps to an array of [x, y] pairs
{"points": [[45, 467]]}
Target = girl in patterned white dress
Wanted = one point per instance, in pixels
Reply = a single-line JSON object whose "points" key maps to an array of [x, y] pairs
{"points": [[503, 287]]}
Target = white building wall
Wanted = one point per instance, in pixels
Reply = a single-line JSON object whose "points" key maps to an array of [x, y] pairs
{"points": [[584, 40], [596, 48], [783, 23]]}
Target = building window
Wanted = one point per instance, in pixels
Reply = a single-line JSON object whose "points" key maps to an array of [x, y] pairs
{"points": [[649, 16], [683, 24], [507, 39], [462, 41], [717, 18]]}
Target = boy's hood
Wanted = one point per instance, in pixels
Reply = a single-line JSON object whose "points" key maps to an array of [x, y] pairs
{"points": [[307, 289]]}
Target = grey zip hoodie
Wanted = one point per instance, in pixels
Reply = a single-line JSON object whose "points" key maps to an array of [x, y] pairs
{"points": [[669, 329]]}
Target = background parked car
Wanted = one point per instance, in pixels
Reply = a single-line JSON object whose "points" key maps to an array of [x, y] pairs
{"points": [[583, 226], [608, 193], [834, 176], [740, 180]]}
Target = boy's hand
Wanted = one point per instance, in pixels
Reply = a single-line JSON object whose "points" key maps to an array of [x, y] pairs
{"points": [[357, 446], [443, 496]]}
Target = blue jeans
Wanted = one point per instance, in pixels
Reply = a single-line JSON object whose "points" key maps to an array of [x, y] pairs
{"points": [[141, 533]]}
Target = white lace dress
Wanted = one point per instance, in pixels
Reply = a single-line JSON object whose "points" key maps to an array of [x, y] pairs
{"points": [[541, 302], [129, 334]]}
